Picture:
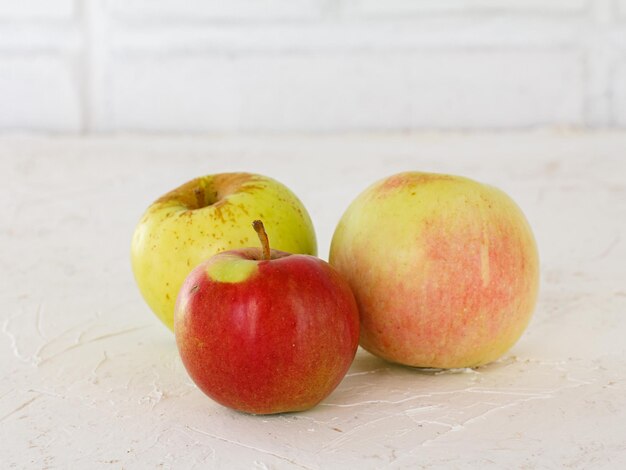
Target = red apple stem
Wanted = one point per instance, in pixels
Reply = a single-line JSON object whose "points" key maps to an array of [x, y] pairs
{"points": [[265, 243]]}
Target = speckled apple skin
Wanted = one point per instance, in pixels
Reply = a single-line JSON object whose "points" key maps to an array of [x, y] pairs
{"points": [[279, 341], [174, 235], [445, 270]]}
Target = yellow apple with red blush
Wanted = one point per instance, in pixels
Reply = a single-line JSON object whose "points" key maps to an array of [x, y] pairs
{"points": [[445, 270]]}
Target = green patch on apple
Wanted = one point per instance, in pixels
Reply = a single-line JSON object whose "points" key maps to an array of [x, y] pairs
{"points": [[231, 269]]}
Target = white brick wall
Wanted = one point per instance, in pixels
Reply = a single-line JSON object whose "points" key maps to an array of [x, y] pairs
{"points": [[311, 65], [364, 90], [377, 7], [38, 92], [233, 10], [36, 9], [619, 93]]}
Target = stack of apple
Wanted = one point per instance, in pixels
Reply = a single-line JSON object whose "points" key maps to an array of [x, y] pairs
{"points": [[425, 270]]}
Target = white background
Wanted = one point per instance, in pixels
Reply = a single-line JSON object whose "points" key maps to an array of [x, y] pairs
{"points": [[311, 65], [90, 379]]}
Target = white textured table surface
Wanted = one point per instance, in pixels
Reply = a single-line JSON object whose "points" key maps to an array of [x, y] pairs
{"points": [[90, 378]]}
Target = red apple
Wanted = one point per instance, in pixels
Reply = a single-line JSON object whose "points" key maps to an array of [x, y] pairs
{"points": [[264, 331]]}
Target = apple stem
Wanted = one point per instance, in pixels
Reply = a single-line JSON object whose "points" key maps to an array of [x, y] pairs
{"points": [[199, 197], [265, 243]]}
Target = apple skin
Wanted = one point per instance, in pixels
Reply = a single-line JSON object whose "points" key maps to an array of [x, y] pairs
{"points": [[445, 270], [266, 336], [175, 234]]}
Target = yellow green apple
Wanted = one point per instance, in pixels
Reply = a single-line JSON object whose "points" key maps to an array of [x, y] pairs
{"points": [[206, 216], [445, 270]]}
